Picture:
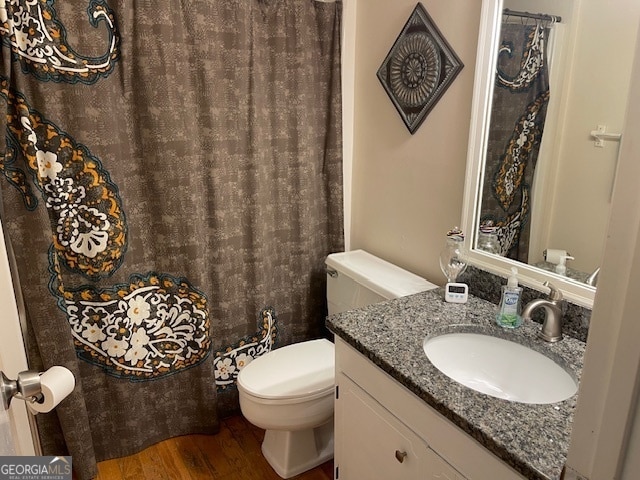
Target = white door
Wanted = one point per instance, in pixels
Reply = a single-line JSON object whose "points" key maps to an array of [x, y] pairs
{"points": [[15, 432]]}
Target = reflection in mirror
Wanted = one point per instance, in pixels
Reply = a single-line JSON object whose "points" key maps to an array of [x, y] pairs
{"points": [[548, 73], [519, 109]]}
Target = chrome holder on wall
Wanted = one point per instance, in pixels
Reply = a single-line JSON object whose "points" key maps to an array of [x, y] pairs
{"points": [[27, 387]]}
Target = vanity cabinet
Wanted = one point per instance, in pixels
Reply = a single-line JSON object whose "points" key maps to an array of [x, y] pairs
{"points": [[383, 431], [376, 445]]}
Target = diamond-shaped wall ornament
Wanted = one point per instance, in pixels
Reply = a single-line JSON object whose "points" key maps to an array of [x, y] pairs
{"points": [[418, 69]]}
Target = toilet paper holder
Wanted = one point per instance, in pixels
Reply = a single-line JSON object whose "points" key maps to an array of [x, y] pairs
{"points": [[26, 387]]}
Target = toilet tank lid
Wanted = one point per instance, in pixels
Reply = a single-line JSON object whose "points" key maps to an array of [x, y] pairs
{"points": [[297, 370], [382, 277]]}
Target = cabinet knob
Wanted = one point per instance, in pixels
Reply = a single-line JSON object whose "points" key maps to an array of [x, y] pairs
{"points": [[400, 456]]}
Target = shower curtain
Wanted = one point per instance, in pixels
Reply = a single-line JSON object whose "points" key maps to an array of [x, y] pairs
{"points": [[171, 184], [520, 99]]}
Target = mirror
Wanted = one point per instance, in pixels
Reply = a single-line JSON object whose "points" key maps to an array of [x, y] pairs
{"points": [[546, 184]]}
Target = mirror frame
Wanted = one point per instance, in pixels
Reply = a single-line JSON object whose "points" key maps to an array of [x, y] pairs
{"points": [[533, 277]]}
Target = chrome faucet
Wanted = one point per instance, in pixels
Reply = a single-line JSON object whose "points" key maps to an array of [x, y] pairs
{"points": [[552, 327], [592, 279]]}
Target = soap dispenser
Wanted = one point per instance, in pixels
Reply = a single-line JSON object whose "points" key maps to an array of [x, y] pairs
{"points": [[508, 315], [561, 267]]}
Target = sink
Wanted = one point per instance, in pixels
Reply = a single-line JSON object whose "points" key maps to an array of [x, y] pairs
{"points": [[500, 368]]}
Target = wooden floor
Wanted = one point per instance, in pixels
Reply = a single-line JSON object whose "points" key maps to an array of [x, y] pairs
{"points": [[233, 454]]}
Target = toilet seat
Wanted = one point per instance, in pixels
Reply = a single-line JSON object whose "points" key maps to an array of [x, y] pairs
{"points": [[302, 370]]}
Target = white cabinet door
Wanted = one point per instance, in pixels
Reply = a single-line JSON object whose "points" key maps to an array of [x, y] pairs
{"points": [[372, 444]]}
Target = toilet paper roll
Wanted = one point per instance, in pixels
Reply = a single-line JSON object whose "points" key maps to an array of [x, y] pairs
{"points": [[56, 384], [554, 255]]}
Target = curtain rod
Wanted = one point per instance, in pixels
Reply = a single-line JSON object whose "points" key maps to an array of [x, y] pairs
{"points": [[539, 16]]}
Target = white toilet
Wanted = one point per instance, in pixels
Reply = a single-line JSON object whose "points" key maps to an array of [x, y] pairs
{"points": [[289, 391]]}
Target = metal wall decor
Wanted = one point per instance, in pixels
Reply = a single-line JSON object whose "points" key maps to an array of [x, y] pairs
{"points": [[418, 69]]}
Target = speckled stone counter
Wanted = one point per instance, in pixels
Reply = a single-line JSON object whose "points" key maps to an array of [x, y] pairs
{"points": [[533, 439]]}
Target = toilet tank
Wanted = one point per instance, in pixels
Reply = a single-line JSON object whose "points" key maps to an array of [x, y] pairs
{"points": [[357, 278]]}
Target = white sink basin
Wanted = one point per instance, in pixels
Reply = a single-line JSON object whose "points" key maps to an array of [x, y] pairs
{"points": [[500, 368]]}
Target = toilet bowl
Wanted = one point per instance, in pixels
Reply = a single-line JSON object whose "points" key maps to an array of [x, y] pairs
{"points": [[289, 393]]}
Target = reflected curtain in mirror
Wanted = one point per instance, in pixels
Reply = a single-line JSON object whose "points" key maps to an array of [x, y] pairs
{"points": [[520, 99]]}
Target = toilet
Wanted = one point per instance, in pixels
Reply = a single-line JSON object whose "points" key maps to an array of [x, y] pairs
{"points": [[289, 392]]}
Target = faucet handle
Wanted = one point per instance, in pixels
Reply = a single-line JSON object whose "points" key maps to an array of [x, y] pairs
{"points": [[554, 293]]}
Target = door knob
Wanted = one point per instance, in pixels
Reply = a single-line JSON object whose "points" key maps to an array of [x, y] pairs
{"points": [[26, 387]]}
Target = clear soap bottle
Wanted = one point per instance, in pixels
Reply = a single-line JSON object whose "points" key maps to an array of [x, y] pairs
{"points": [[508, 315], [488, 240]]}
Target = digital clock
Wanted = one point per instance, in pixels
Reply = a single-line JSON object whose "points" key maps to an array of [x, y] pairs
{"points": [[456, 292]]}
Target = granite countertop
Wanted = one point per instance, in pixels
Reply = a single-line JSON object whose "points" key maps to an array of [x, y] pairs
{"points": [[533, 439], [571, 273]]}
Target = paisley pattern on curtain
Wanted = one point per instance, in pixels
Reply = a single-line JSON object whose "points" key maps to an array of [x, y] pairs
{"points": [[154, 326], [38, 41], [520, 100], [170, 174], [235, 357], [526, 135], [88, 224]]}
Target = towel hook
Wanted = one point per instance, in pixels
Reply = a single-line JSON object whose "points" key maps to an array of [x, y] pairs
{"points": [[601, 134]]}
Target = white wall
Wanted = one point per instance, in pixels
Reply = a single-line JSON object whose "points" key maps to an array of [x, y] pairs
{"points": [[631, 462], [348, 50], [407, 189], [598, 91], [607, 401]]}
